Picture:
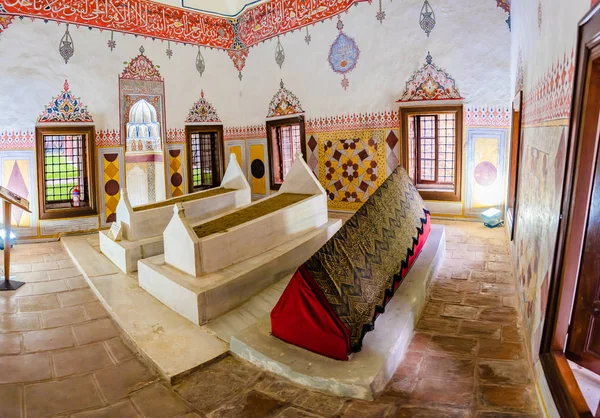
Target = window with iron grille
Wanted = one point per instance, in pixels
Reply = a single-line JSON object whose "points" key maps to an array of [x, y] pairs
{"points": [[286, 138], [203, 158], [432, 141], [205, 151], [65, 171]]}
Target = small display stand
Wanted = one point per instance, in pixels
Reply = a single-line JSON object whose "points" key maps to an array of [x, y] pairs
{"points": [[10, 199]]}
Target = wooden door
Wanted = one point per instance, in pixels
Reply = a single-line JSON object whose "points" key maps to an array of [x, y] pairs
{"points": [[515, 151], [583, 346]]}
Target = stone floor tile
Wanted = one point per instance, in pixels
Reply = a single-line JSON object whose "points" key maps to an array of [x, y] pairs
{"points": [[421, 411], [503, 315], [433, 307], [505, 277], [469, 286], [496, 414], [43, 288], [497, 289], [445, 344], [481, 300], [320, 402], [361, 409], [483, 276], [76, 283], [19, 322], [446, 295], [20, 268], [503, 372], [63, 273], [119, 350], [473, 265], [62, 396], [10, 343], [402, 386], [26, 258], [278, 388], [519, 398], [509, 301], [459, 311], [81, 360], [122, 409], [25, 368], [48, 339], [410, 364], [76, 297], [444, 325], [94, 310], [207, 388], [501, 350], [66, 263], [11, 401], [45, 266], [57, 256], [9, 305], [250, 404], [293, 412], [156, 401], [480, 329], [447, 368], [512, 333], [33, 277], [460, 273], [121, 380], [93, 331], [37, 303], [238, 369], [420, 341], [446, 392], [63, 316]]}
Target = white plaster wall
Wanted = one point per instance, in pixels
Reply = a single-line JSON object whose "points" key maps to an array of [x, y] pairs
{"points": [[32, 72], [470, 41]]}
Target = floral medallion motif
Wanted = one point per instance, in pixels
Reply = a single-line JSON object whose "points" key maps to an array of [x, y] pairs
{"points": [[66, 47], [284, 103], [141, 68], [430, 83], [239, 59], [65, 108], [343, 54], [203, 111], [427, 20]]}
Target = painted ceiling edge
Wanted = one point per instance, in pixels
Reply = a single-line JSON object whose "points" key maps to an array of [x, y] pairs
{"points": [[170, 23]]}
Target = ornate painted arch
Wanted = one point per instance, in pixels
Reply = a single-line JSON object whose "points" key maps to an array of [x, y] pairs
{"points": [[65, 108], [430, 83], [203, 111], [283, 103]]}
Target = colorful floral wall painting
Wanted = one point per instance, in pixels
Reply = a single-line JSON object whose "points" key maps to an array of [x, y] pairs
{"points": [[283, 103], [430, 83], [141, 68], [5, 20], [343, 54], [505, 5], [203, 111], [65, 108], [67, 47]]}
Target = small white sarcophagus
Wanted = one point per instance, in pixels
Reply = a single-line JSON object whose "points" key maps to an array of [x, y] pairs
{"points": [[142, 227], [216, 243], [211, 267]]}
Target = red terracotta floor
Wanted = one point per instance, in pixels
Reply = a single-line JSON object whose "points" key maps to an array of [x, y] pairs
{"points": [[61, 354]]}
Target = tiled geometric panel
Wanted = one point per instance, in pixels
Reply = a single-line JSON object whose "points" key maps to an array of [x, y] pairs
{"points": [[177, 185], [112, 192], [313, 154], [350, 165], [487, 116], [486, 166], [111, 171], [354, 121], [550, 97], [65, 108], [17, 173], [392, 146], [17, 140]]}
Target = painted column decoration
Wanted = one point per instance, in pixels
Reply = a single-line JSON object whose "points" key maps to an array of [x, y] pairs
{"points": [[343, 54], [65, 108], [112, 187]]}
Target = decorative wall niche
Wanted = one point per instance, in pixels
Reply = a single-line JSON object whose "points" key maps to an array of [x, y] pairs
{"points": [[143, 129]]}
